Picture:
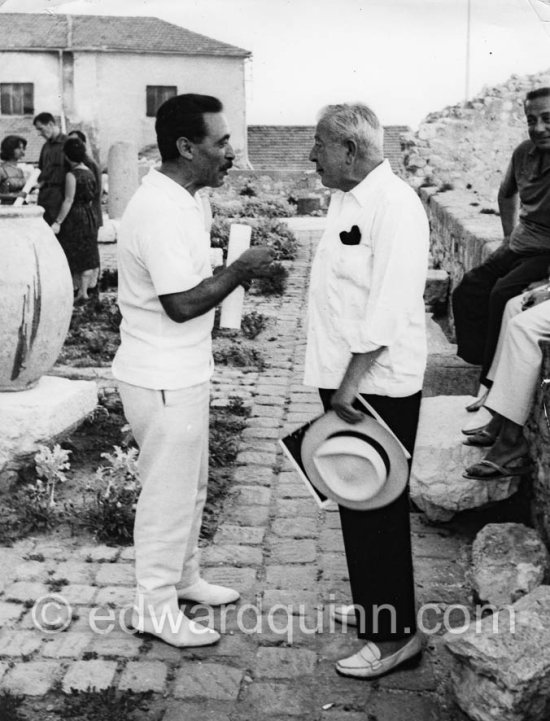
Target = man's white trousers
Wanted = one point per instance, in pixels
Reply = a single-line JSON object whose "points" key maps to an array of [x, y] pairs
{"points": [[171, 429]]}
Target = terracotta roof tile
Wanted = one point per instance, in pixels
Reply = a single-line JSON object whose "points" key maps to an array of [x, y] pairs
{"points": [[35, 31]]}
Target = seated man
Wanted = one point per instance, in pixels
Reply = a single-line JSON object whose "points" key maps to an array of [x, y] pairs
{"points": [[514, 375], [524, 256]]}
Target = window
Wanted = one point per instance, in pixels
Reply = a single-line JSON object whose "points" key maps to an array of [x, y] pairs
{"points": [[16, 98], [156, 96]]}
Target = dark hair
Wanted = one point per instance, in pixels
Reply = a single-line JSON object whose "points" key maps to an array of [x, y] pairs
{"points": [[43, 119], [74, 149], [9, 145], [183, 117], [538, 93], [79, 134]]}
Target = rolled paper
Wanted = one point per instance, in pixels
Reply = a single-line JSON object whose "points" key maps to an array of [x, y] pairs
{"points": [[232, 306], [29, 185]]}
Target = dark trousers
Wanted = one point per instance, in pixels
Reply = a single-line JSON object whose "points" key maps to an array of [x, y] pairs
{"points": [[378, 542], [480, 298]]}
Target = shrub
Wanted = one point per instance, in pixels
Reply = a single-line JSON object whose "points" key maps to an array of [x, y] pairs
{"points": [[106, 704], [240, 355], [270, 208], [10, 707], [248, 190], [252, 324], [277, 236], [274, 284], [219, 234]]}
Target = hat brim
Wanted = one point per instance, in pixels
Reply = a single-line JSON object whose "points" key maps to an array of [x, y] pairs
{"points": [[330, 423]]}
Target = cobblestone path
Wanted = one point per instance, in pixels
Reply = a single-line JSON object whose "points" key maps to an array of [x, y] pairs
{"points": [[276, 657]]}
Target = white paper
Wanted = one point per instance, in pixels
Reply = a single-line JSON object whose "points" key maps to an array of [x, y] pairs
{"points": [[232, 306]]}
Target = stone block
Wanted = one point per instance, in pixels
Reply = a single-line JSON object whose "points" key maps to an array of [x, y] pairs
{"points": [[437, 484], [501, 664], [95, 675], [66, 645], [34, 678], [207, 680], [116, 574], [284, 663], [223, 554], [291, 577], [143, 676], [293, 551], [31, 417], [10, 612], [436, 291], [295, 527], [19, 643], [244, 535], [509, 561]]}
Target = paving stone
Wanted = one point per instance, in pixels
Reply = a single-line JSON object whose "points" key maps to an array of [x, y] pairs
{"points": [[263, 422], [293, 490], [96, 675], [207, 680], [292, 551], [256, 458], [285, 577], [262, 433], [33, 678], [10, 612], [19, 643], [75, 572], [298, 602], [161, 651], [271, 401], [392, 706], [116, 574], [251, 495], [275, 698], [330, 539], [128, 553], [55, 551], [272, 389], [26, 591], [79, 593], [440, 581], [296, 507], [422, 679], [254, 474], [197, 711], [66, 645], [433, 545], [99, 553], [259, 411], [119, 596], [248, 515], [238, 578], [245, 535], [259, 445], [117, 643], [333, 566], [332, 519], [31, 571], [295, 527], [142, 676], [225, 554], [298, 419], [284, 663]]}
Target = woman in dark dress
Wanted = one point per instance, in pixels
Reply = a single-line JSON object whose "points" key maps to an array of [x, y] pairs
{"points": [[76, 223], [12, 179]]}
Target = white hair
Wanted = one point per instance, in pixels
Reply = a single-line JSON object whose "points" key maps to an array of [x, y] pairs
{"points": [[354, 121]]}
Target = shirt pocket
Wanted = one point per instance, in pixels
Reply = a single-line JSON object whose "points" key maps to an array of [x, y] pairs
{"points": [[352, 264]]}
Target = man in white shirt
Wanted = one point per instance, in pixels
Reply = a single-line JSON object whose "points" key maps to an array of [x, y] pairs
{"points": [[366, 335], [167, 296]]}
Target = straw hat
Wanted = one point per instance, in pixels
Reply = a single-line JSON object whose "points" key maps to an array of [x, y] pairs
{"points": [[360, 466]]}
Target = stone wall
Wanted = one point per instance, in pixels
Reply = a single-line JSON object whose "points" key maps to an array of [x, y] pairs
{"points": [[537, 432], [468, 145]]}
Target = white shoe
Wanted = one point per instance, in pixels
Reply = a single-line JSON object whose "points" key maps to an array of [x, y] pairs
{"points": [[368, 662], [344, 614], [179, 631], [208, 594]]}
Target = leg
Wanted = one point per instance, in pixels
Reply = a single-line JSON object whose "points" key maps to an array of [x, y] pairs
{"points": [[529, 269], [169, 427], [470, 302]]}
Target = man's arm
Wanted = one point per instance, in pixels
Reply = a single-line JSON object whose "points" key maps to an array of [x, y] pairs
{"points": [[508, 203], [342, 400], [188, 304]]}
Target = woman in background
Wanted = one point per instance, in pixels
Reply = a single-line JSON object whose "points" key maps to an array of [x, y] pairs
{"points": [[76, 223], [12, 179]]}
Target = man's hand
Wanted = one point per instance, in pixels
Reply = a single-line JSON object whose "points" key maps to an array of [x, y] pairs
{"points": [[256, 262], [342, 403], [535, 297]]}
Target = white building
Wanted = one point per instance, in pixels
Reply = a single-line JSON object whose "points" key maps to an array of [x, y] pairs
{"points": [[108, 75]]}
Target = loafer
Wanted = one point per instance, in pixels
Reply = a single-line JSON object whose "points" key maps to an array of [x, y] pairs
{"points": [[368, 662], [208, 594], [344, 614]]}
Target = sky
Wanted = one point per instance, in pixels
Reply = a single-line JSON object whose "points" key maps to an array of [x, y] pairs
{"points": [[405, 58]]}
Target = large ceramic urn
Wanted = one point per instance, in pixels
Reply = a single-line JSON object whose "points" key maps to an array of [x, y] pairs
{"points": [[36, 297]]}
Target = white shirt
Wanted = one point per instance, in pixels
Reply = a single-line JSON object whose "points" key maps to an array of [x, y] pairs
{"points": [[163, 247], [369, 295]]}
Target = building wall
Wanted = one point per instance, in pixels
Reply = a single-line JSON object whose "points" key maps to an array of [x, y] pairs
{"points": [[104, 93], [110, 96]]}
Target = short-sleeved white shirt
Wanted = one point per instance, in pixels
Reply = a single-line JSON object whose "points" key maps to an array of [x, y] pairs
{"points": [[369, 295], [163, 247]]}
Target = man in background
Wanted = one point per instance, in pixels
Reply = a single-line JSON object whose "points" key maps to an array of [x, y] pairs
{"points": [[51, 181]]}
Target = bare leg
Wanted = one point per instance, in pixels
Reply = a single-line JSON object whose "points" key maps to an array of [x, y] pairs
{"points": [[86, 279]]}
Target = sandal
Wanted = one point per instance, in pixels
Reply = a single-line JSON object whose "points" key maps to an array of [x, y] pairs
{"points": [[478, 403], [498, 472], [482, 438]]}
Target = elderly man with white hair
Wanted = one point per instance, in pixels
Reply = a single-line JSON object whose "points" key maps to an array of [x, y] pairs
{"points": [[366, 335]]}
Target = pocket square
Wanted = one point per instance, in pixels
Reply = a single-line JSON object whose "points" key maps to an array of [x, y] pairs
{"points": [[351, 238]]}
